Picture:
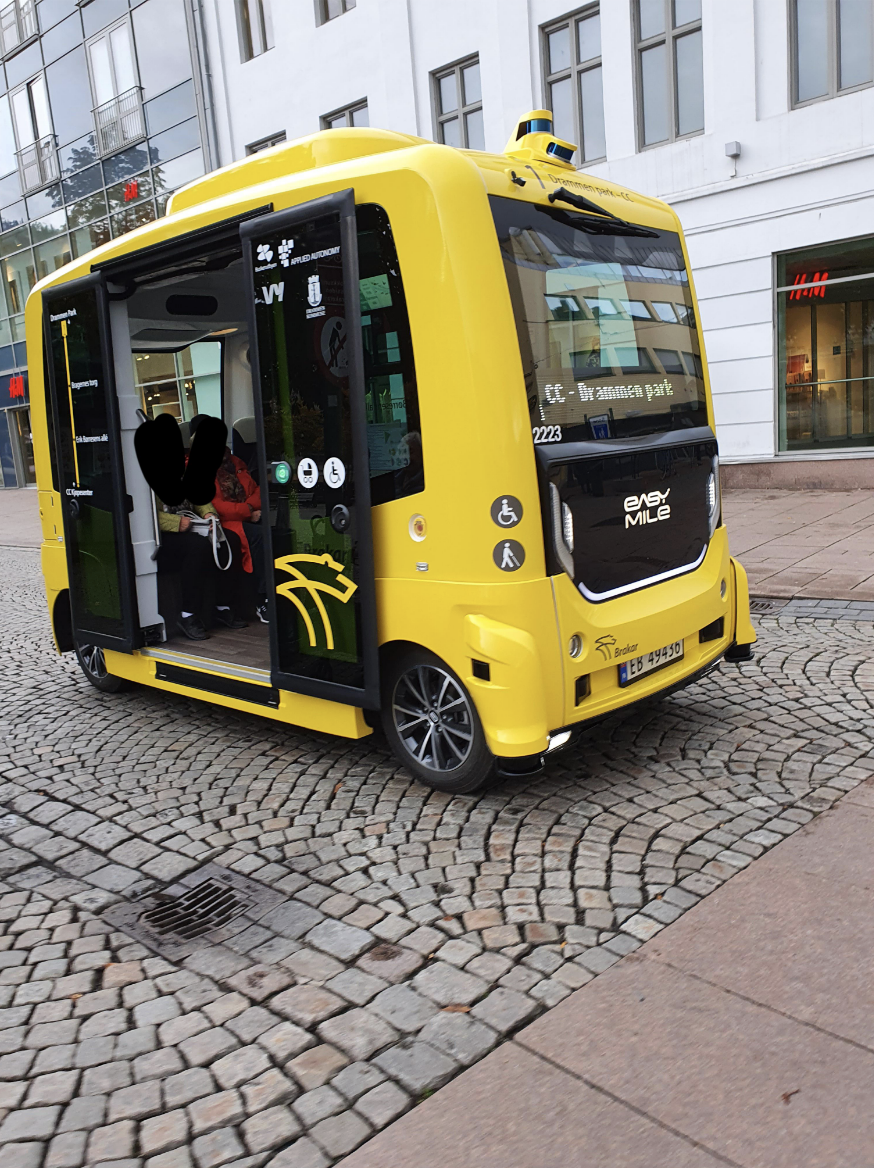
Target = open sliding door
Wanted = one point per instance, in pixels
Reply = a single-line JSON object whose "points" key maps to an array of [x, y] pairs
{"points": [[308, 375], [94, 501]]}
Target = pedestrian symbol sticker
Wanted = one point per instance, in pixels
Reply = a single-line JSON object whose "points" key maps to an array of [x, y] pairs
{"points": [[506, 511], [509, 555], [307, 473], [335, 473]]}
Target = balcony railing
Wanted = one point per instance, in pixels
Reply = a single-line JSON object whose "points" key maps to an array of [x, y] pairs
{"points": [[18, 24], [38, 164], [120, 121]]}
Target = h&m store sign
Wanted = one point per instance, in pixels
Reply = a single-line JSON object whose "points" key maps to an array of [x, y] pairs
{"points": [[14, 389]]}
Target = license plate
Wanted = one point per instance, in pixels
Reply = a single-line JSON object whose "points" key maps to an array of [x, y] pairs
{"points": [[638, 667]]}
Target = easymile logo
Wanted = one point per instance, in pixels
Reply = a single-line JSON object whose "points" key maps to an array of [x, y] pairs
{"points": [[652, 507]]}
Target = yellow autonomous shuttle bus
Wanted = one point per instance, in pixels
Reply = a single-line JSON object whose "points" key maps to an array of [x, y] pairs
{"points": [[473, 390]]}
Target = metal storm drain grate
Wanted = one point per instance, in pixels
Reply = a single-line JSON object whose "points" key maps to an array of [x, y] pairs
{"points": [[763, 605], [205, 907]]}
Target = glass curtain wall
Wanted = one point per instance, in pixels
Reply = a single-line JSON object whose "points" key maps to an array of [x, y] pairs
{"points": [[825, 313]]}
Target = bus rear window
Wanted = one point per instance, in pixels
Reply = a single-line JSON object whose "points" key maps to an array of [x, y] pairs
{"points": [[606, 326]]}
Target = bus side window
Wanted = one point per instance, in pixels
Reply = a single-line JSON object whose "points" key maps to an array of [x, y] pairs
{"points": [[394, 436]]}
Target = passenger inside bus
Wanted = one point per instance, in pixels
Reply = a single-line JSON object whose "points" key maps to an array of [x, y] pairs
{"points": [[190, 343]]}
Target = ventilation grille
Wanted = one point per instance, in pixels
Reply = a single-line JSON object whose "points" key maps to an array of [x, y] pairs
{"points": [[203, 908], [208, 906], [764, 605]]}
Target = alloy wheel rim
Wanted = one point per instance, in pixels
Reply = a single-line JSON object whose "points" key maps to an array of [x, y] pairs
{"points": [[433, 718], [93, 660]]}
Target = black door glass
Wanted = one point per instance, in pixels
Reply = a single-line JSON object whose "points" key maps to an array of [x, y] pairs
{"points": [[303, 356], [87, 469], [394, 436]]}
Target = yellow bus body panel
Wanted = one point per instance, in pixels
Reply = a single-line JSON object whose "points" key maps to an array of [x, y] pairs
{"points": [[445, 593]]}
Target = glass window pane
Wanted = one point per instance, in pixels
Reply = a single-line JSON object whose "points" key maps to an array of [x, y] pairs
{"points": [[334, 8], [51, 256], [811, 48], [686, 10], [589, 38], [360, 116], [70, 97], [451, 132], [101, 74], [475, 133], [471, 84], [172, 143], [594, 144], [7, 138], [448, 94], [335, 122], [87, 210], [654, 92], [559, 46], [23, 119], [19, 276], [40, 107], [161, 37], [855, 25], [561, 96], [49, 226], [690, 84], [87, 238], [172, 107], [652, 17], [122, 59]]}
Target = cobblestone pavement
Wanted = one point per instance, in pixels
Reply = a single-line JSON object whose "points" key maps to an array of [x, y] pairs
{"points": [[416, 930]]}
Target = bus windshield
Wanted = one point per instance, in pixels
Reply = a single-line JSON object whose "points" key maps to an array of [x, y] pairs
{"points": [[606, 326]]}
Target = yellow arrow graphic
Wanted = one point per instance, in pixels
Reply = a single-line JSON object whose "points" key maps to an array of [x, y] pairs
{"points": [[70, 395]]}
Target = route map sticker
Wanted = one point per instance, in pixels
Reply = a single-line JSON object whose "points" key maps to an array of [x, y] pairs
{"points": [[307, 473], [509, 555], [506, 511], [335, 473]]}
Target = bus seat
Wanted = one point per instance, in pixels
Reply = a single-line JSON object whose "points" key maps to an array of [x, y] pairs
{"points": [[185, 431], [244, 444]]}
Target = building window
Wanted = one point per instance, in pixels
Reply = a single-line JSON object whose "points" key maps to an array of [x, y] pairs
{"points": [[329, 9], [265, 143], [458, 105], [350, 115], [254, 28], [825, 321], [118, 107], [36, 154], [572, 70], [18, 24], [670, 75], [832, 47]]}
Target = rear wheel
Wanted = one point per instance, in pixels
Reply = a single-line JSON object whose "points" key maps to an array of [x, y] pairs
{"points": [[93, 664], [432, 725]]}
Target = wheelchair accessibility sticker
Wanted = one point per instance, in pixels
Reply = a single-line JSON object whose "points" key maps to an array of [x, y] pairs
{"points": [[341, 588]]}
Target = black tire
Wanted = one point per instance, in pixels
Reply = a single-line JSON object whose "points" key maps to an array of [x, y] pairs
{"points": [[431, 723], [93, 664]]}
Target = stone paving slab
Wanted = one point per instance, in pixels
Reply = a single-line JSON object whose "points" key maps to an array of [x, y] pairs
{"points": [[417, 932], [19, 518], [804, 543]]}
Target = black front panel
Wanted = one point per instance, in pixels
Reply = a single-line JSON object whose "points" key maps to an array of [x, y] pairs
{"points": [[628, 519]]}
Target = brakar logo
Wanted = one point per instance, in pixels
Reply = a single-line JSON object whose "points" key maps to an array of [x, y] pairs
{"points": [[605, 644]]}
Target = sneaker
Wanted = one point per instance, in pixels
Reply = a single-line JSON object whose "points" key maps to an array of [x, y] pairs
{"points": [[192, 627], [226, 617], [261, 610]]}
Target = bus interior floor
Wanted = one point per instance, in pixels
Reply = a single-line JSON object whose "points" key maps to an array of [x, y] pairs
{"points": [[249, 647]]}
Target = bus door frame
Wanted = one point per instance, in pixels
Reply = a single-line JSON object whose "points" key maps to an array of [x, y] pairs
{"points": [[132, 636], [341, 203]]}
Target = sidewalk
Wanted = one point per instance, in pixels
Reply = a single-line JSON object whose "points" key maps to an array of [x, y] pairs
{"points": [[19, 518], [743, 1035], [804, 543]]}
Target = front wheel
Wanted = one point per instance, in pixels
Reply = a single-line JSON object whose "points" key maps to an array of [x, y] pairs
{"points": [[93, 664], [432, 725]]}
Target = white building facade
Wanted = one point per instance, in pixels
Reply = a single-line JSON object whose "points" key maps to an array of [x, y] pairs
{"points": [[753, 118]]}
